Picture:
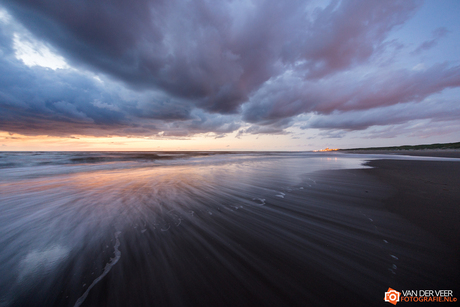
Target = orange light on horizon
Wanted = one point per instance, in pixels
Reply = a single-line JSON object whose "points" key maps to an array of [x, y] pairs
{"points": [[327, 149], [200, 142]]}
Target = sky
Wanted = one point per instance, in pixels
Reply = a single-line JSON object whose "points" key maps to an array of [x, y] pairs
{"points": [[228, 75]]}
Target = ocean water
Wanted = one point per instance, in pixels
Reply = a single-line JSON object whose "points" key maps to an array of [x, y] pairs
{"points": [[202, 229]]}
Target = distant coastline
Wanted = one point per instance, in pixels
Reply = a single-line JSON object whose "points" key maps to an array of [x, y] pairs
{"points": [[411, 147], [447, 150]]}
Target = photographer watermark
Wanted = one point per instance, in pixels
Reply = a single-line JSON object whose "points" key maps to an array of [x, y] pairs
{"points": [[421, 296]]}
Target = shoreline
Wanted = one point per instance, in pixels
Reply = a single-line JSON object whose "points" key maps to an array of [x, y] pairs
{"points": [[441, 153]]}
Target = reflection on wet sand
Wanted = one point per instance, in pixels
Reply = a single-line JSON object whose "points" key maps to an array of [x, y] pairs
{"points": [[241, 232]]}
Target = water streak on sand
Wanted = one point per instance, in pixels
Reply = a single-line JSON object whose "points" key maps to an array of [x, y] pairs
{"points": [[273, 228], [107, 269]]}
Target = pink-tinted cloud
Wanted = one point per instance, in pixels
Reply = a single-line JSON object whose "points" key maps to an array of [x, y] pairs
{"points": [[290, 96], [185, 67], [213, 53]]}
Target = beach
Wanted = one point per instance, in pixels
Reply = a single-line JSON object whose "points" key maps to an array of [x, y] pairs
{"points": [[227, 229], [229, 153], [427, 194]]}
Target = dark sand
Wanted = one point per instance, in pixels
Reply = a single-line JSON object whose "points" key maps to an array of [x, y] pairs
{"points": [[427, 193]]}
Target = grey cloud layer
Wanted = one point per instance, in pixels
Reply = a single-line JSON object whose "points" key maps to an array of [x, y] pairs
{"points": [[209, 64], [291, 95], [434, 110], [36, 100]]}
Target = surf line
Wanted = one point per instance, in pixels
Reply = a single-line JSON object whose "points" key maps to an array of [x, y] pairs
{"points": [[107, 268]]}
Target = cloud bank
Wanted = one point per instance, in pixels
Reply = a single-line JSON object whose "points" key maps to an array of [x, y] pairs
{"points": [[178, 68]]}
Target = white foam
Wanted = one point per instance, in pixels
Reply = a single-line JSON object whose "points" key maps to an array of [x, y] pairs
{"points": [[107, 268], [38, 262], [261, 200]]}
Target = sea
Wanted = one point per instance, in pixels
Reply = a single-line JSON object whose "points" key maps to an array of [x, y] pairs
{"points": [[203, 229]]}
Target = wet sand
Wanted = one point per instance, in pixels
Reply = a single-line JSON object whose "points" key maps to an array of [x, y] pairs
{"points": [[286, 230], [413, 204], [427, 193]]}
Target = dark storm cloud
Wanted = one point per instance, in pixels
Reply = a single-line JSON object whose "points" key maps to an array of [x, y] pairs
{"points": [[37, 100], [162, 108], [209, 66], [199, 123], [214, 53]]}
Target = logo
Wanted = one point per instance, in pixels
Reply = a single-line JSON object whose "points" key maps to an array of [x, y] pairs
{"points": [[419, 296], [392, 296]]}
